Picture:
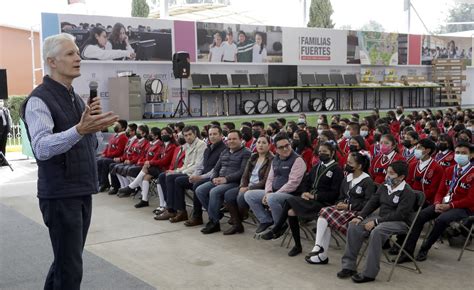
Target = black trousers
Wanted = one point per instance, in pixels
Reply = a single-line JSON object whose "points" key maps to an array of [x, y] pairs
{"points": [[113, 174], [103, 164], [3, 141], [68, 221], [441, 222], [181, 185]]}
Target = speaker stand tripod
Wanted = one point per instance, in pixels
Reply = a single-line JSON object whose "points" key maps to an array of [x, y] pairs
{"points": [[3, 160], [182, 107]]}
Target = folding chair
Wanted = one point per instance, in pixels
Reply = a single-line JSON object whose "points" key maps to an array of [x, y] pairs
{"points": [[469, 235], [304, 227], [420, 200]]}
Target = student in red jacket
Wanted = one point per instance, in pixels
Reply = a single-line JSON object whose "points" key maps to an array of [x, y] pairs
{"points": [[388, 154], [445, 155], [137, 151], [453, 202], [410, 140], [302, 146], [381, 130], [114, 149], [426, 174], [158, 159]]}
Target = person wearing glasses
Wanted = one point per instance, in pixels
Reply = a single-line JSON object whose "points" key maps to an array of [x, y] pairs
{"points": [[284, 181]]}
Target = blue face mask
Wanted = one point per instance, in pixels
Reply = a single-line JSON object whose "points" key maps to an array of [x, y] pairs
{"points": [[461, 159], [347, 134], [364, 133], [418, 154], [391, 181]]}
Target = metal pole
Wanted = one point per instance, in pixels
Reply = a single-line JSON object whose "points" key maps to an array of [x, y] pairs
{"points": [[164, 5], [33, 70]]}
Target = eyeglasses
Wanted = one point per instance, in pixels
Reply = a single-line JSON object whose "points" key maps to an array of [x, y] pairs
{"points": [[283, 147]]}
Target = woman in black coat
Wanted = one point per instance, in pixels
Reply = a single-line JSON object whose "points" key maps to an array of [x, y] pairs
{"points": [[321, 190]]}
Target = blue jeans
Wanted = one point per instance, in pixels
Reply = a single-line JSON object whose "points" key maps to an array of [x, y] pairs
{"points": [[275, 203], [212, 198], [236, 198]]}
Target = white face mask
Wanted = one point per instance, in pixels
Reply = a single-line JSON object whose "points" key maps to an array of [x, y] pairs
{"points": [[364, 133], [347, 134], [320, 131]]}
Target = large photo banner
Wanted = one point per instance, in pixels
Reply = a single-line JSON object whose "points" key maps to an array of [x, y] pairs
{"points": [[446, 47], [221, 42], [375, 48], [314, 46], [115, 38]]}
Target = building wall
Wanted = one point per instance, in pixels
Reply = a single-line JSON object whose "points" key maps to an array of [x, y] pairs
{"points": [[15, 56]]}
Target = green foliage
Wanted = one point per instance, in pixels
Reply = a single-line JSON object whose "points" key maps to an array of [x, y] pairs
{"points": [[372, 25], [320, 13], [14, 104], [140, 8]]}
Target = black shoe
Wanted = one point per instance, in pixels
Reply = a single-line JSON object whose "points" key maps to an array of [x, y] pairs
{"points": [[104, 188], [126, 190], [359, 278], [142, 203], [321, 262], [212, 228], [113, 191], [345, 273], [296, 250], [403, 259], [393, 250], [422, 255], [271, 235], [262, 227]]}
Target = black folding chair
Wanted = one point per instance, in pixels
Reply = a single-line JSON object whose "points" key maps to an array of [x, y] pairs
{"points": [[469, 234], [420, 200]]}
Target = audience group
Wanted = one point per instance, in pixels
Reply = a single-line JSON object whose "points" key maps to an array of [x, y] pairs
{"points": [[363, 177]]}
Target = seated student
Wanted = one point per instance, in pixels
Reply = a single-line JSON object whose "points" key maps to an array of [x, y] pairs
{"points": [[225, 175], [357, 144], [328, 136], [139, 150], [410, 139], [388, 154], [395, 200], [381, 130], [157, 160], [132, 139], [321, 189], [302, 146], [199, 176], [283, 182], [445, 155], [247, 137], [352, 129], [356, 189], [254, 177], [453, 202], [114, 149], [194, 150], [425, 174]]}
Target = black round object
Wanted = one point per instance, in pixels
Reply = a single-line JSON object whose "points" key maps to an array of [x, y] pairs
{"points": [[263, 107], [153, 86], [315, 105], [294, 105], [281, 106], [248, 107]]}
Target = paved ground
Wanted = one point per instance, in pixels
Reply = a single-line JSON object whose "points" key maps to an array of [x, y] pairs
{"points": [[171, 256]]}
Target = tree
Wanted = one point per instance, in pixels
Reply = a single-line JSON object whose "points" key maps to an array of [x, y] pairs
{"points": [[372, 25], [462, 12], [140, 8], [320, 13]]}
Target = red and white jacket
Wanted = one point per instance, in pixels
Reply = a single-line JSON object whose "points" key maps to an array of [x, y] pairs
{"points": [[445, 159], [461, 189], [378, 166], [116, 145], [429, 179], [138, 149], [165, 157], [154, 149]]}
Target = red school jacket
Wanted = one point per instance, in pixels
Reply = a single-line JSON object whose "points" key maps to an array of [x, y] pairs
{"points": [[165, 157], [463, 192], [427, 180], [180, 158], [378, 168], [139, 149], [116, 146], [127, 152], [446, 160], [154, 148]]}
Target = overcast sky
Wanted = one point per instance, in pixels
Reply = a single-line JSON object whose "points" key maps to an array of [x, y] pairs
{"points": [[26, 13]]}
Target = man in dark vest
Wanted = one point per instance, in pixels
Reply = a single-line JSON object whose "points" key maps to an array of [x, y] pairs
{"points": [[61, 130], [283, 181]]}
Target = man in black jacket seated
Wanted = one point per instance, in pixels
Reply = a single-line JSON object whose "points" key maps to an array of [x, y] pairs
{"points": [[200, 175], [224, 176], [395, 200]]}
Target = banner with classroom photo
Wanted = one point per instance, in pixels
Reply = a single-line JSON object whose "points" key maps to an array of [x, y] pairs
{"points": [[105, 38], [234, 43], [446, 47], [314, 46]]}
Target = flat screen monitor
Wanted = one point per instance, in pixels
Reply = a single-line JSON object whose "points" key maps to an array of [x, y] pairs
{"points": [[336, 79], [219, 80], [239, 79], [200, 80], [282, 75], [350, 79], [257, 80], [308, 79], [322, 79]]}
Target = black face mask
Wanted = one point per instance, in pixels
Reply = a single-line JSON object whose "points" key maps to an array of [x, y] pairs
{"points": [[269, 132], [353, 148], [255, 134], [127, 134], [446, 124], [407, 143], [116, 129], [139, 136], [247, 137], [349, 169], [295, 144], [377, 137], [204, 134], [463, 140], [399, 112], [181, 141], [442, 146], [165, 138], [225, 133], [150, 138], [324, 157], [427, 131]]}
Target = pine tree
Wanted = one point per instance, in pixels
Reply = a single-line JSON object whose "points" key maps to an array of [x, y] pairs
{"points": [[140, 8], [320, 14]]}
